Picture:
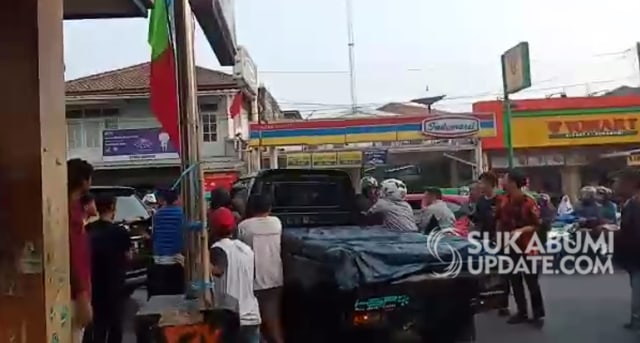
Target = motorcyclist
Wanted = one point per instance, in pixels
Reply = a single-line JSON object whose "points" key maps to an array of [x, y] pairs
{"points": [[397, 214], [368, 196], [588, 210], [369, 193], [608, 207]]}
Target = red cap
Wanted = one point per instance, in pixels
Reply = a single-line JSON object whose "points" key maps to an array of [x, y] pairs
{"points": [[222, 221]]}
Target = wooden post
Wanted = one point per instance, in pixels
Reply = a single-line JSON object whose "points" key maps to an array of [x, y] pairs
{"points": [[34, 257]]}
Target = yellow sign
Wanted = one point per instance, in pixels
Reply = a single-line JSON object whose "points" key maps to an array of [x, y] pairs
{"points": [[324, 159], [299, 160], [633, 160], [575, 130], [350, 158]]}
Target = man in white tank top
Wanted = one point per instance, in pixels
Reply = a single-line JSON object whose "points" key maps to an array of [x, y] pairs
{"points": [[233, 272]]}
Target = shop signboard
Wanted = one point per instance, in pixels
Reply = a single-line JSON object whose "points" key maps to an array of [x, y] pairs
{"points": [[324, 159], [375, 157], [299, 160], [218, 180], [137, 144], [245, 70], [450, 126], [516, 72], [349, 158], [572, 130]]}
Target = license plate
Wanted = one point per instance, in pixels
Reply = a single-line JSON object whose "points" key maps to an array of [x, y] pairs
{"points": [[391, 302]]}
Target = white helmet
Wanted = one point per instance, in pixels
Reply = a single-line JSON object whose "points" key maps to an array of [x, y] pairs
{"points": [[368, 182], [393, 189]]}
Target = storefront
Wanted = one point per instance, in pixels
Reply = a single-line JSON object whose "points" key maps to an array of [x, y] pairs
{"points": [[415, 148], [349, 161], [560, 142]]}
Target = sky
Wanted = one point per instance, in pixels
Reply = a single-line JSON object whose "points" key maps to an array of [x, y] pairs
{"points": [[403, 48]]}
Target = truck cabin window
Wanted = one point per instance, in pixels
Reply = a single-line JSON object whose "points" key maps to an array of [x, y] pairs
{"points": [[307, 194]]}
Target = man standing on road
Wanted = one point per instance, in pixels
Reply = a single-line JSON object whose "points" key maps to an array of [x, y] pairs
{"points": [[485, 222], [166, 275], [627, 239], [79, 181], [263, 233], [518, 213], [233, 271], [110, 253]]}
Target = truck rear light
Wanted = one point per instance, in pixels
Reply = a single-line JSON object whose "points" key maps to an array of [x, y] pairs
{"points": [[366, 318]]}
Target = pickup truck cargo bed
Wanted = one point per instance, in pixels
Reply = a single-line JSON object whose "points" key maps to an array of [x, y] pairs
{"points": [[353, 256]]}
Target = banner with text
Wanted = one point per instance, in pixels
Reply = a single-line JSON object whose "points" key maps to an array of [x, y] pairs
{"points": [[299, 160], [325, 159], [136, 145], [572, 130]]}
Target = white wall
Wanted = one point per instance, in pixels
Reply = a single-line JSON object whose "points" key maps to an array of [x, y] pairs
{"points": [[86, 133]]}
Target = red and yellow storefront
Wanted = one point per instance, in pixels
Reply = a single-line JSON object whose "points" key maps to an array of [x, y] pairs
{"points": [[560, 141]]}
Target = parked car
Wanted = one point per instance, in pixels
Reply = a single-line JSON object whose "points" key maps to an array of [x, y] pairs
{"points": [[135, 216]]}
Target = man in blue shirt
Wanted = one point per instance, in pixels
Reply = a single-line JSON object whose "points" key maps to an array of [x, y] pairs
{"points": [[166, 275]]}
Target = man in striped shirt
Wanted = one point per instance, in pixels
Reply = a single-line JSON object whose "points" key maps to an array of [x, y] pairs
{"points": [[166, 276], [396, 212]]}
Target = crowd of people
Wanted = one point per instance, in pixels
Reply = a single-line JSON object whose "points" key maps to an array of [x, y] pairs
{"points": [[99, 254], [515, 210], [246, 253], [245, 259]]}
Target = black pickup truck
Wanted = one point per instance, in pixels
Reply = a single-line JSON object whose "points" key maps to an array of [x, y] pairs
{"points": [[364, 284]]}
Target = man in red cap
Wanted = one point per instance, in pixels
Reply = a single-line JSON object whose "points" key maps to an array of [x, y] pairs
{"points": [[232, 266]]}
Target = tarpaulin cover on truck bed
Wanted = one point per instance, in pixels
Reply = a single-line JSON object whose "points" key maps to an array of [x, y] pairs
{"points": [[357, 256]]}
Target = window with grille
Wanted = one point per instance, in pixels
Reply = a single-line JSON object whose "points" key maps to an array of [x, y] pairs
{"points": [[93, 133], [74, 135], [209, 122], [209, 127]]}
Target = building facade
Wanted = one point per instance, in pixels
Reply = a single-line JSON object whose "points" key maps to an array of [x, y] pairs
{"points": [[109, 123], [424, 149], [562, 143]]}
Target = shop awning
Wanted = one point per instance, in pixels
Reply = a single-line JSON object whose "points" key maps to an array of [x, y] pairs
{"points": [[103, 9], [215, 19], [621, 153]]}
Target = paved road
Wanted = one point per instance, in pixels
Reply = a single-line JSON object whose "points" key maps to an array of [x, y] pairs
{"points": [[586, 309]]}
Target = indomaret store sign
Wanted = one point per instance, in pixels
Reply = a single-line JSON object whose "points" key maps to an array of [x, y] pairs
{"points": [[592, 128]]}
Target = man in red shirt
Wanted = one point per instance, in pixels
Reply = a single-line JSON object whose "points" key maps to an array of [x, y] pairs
{"points": [[79, 180], [519, 213]]}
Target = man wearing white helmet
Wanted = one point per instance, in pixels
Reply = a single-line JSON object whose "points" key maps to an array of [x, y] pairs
{"points": [[396, 212]]}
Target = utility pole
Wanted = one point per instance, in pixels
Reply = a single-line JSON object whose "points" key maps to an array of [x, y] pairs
{"points": [[352, 58], [196, 258]]}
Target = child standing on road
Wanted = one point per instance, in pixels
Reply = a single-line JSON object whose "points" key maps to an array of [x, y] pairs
{"points": [[263, 233], [232, 267]]}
